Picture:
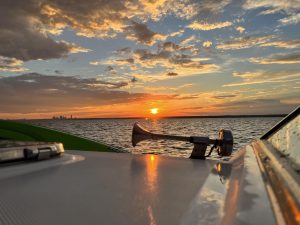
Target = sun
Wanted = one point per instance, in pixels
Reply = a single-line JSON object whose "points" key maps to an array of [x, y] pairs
{"points": [[154, 111]]}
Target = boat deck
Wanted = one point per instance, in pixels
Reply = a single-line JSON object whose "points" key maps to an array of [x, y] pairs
{"points": [[119, 188]]}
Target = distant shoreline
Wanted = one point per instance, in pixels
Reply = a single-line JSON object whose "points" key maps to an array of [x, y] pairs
{"points": [[171, 117]]}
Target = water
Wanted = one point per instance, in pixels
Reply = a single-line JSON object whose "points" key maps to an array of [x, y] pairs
{"points": [[117, 132]]}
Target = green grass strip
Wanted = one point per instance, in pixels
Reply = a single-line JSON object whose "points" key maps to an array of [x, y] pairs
{"points": [[25, 132]]}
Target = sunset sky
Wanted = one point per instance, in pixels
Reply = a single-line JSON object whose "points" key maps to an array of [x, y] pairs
{"points": [[110, 58]]}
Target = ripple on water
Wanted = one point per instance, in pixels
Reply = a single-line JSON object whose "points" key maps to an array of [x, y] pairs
{"points": [[117, 132]]}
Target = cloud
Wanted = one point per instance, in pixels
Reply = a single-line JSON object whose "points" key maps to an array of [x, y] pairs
{"points": [[295, 43], [244, 42], [188, 40], [124, 61], [185, 96], [36, 93], [173, 47], [290, 20], [224, 96], [169, 46], [11, 65], [194, 108], [171, 74], [263, 41], [273, 6], [124, 51], [282, 58], [253, 106], [207, 44], [142, 34], [180, 63], [95, 63], [26, 45], [58, 72], [109, 68], [73, 48], [164, 89], [261, 77], [129, 62], [240, 29], [208, 26], [105, 19], [176, 33], [22, 33], [188, 9], [168, 56], [291, 101], [25, 25]]}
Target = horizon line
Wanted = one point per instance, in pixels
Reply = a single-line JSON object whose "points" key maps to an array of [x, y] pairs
{"points": [[165, 117]]}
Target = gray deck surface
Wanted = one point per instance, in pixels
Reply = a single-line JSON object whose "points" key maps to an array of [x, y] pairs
{"points": [[117, 189]]}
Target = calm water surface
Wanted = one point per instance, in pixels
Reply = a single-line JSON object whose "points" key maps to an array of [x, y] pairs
{"points": [[117, 132]]}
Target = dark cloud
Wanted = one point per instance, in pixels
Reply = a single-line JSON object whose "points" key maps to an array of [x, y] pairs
{"points": [[23, 33], [142, 34], [145, 54], [171, 59], [169, 46], [268, 106], [171, 74], [36, 93], [169, 56], [25, 25], [194, 108], [173, 47], [125, 50], [133, 79], [129, 60], [58, 72], [20, 35], [109, 68], [224, 96]]}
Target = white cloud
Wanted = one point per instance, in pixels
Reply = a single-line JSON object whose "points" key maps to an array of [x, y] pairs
{"points": [[292, 19], [208, 26], [273, 6], [262, 77]]}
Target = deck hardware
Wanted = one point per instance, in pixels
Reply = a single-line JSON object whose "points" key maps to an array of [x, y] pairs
{"points": [[223, 145]]}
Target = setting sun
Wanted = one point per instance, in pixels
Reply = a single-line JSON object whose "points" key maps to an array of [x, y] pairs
{"points": [[154, 111]]}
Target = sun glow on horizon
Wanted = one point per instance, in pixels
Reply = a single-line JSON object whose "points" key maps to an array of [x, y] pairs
{"points": [[154, 111]]}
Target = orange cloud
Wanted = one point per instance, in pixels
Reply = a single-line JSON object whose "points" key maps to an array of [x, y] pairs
{"points": [[207, 44], [240, 29], [208, 26]]}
